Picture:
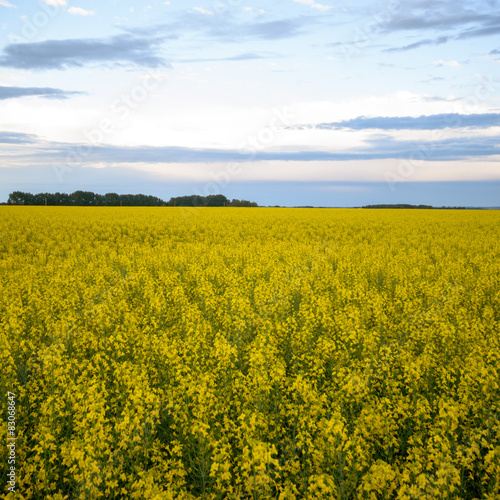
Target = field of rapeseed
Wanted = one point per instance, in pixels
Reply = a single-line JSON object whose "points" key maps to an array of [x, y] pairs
{"points": [[174, 353]]}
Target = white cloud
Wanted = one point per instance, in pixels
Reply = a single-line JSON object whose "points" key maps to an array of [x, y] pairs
{"points": [[4, 3], [203, 11], [368, 170], [215, 125], [314, 5], [56, 3], [77, 11], [316, 171], [441, 62], [321, 7], [401, 103]]}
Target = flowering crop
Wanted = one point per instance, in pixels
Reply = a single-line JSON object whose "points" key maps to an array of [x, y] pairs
{"points": [[161, 353]]}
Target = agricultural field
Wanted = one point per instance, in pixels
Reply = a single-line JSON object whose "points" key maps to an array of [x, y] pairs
{"points": [[232, 353]]}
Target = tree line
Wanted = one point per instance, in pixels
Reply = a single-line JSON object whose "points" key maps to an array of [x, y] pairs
{"points": [[90, 199], [212, 200], [405, 205]]}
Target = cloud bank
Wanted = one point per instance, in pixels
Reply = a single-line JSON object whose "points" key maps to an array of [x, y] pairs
{"points": [[46, 92], [63, 54], [430, 122]]}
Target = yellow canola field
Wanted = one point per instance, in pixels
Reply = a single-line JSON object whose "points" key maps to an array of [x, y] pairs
{"points": [[225, 353]]}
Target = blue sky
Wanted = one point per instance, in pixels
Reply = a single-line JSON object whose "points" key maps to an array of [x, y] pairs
{"points": [[291, 102]]}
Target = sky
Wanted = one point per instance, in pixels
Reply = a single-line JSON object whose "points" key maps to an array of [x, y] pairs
{"points": [[289, 102]]}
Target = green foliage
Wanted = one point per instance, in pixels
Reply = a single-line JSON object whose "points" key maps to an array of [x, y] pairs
{"points": [[89, 199], [84, 198], [213, 200], [406, 205]]}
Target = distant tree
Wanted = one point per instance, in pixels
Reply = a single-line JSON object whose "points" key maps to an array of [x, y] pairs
{"points": [[243, 203], [246, 203], [111, 200], [216, 200], [83, 198], [400, 205], [87, 198], [19, 198], [195, 200]]}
